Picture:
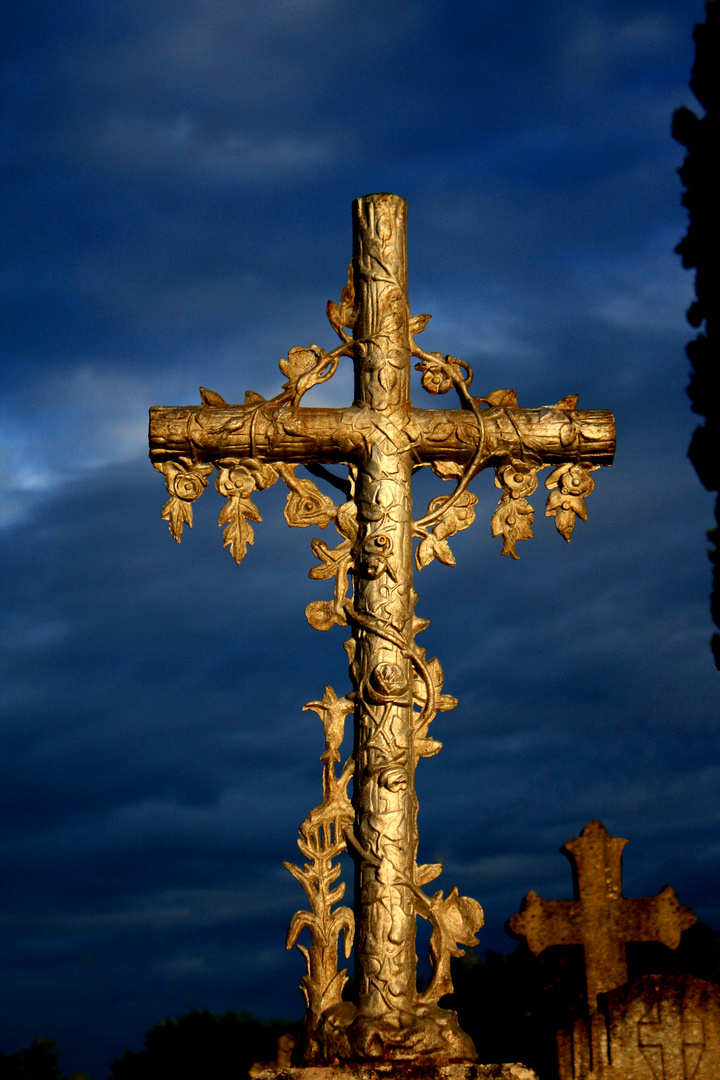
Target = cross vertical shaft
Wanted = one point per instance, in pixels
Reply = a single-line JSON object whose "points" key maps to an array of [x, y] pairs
{"points": [[385, 801]]}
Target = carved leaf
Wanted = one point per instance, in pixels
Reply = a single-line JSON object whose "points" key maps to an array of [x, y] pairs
{"points": [[210, 397], [301, 920], [343, 921], [565, 508], [446, 470], [332, 710], [568, 403], [185, 482], [304, 369], [428, 872], [443, 702], [252, 399], [572, 482], [346, 520], [418, 323], [433, 547], [441, 431], [458, 516], [427, 747], [333, 560], [500, 399], [512, 520], [177, 513], [299, 362], [345, 313], [456, 920], [238, 532], [322, 615]]}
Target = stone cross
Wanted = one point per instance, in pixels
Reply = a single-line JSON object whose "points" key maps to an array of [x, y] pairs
{"points": [[600, 919], [381, 439]]}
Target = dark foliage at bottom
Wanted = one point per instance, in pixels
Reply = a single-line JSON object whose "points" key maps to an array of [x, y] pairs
{"points": [[38, 1062], [203, 1044]]}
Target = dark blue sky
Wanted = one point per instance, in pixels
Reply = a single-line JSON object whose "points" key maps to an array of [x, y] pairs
{"points": [[177, 198]]}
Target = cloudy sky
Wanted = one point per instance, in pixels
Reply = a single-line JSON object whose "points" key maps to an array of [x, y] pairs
{"points": [[177, 212]]}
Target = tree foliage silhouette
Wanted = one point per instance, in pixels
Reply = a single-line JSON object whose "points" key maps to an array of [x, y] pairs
{"points": [[202, 1044], [701, 177], [38, 1062]]}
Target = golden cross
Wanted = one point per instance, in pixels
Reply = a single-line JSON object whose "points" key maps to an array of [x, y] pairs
{"points": [[381, 438]]}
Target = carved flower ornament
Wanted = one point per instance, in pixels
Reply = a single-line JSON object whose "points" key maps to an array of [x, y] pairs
{"points": [[518, 478], [307, 506], [188, 486], [576, 481], [437, 372], [235, 481], [387, 683], [572, 483]]}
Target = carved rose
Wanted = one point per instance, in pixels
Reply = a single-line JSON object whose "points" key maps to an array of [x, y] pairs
{"points": [[235, 481], [308, 506], [577, 481], [518, 478], [387, 682], [188, 486], [567, 503], [435, 377], [185, 481], [436, 381]]}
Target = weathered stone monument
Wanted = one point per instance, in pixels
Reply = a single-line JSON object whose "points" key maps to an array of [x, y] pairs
{"points": [[381, 439], [660, 1026]]}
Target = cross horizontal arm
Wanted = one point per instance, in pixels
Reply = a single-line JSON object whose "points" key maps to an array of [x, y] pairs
{"points": [[654, 918], [544, 923], [299, 435]]}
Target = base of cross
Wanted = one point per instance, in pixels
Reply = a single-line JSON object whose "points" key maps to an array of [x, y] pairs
{"points": [[395, 1070]]}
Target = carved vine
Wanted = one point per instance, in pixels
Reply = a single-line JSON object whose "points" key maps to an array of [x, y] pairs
{"points": [[446, 515], [455, 919], [517, 477], [321, 840]]}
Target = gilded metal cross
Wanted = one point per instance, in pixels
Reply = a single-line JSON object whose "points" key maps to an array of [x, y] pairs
{"points": [[381, 438]]}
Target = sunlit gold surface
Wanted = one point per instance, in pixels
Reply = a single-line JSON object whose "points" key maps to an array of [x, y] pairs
{"points": [[396, 691]]}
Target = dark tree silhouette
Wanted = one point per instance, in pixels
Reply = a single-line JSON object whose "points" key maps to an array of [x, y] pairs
{"points": [[701, 177], [38, 1062], [203, 1044]]}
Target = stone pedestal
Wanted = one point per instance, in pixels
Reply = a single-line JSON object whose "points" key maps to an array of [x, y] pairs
{"points": [[399, 1070]]}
